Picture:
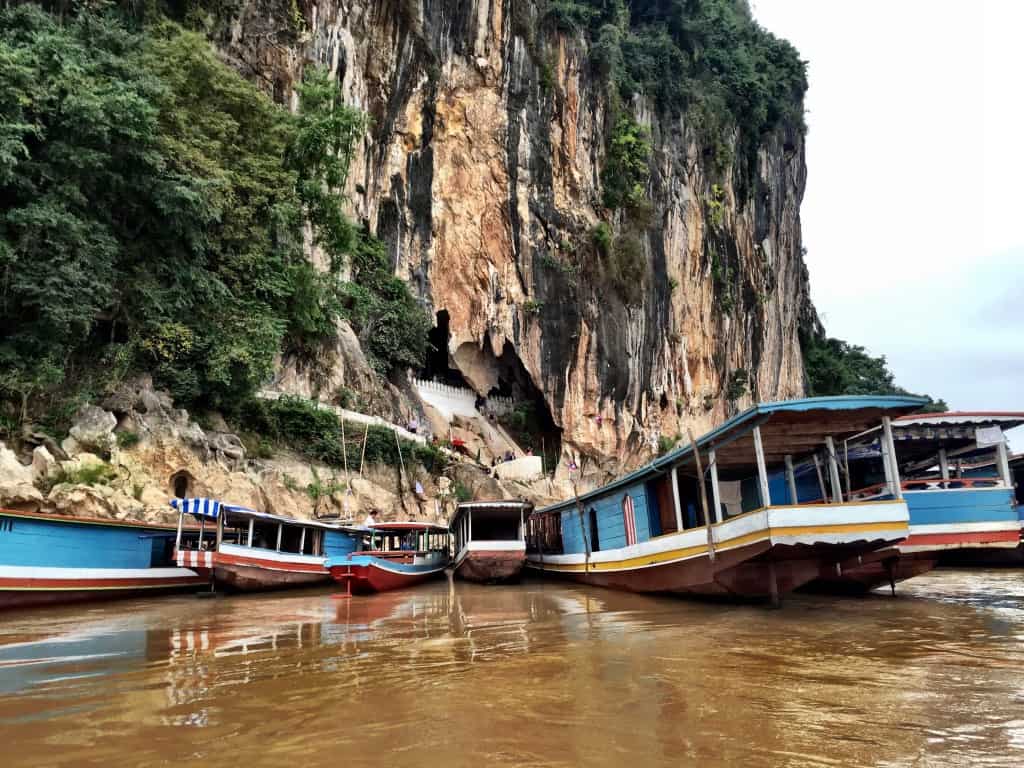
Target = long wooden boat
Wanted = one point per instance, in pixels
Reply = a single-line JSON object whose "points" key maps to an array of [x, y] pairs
{"points": [[248, 551], [51, 559], [393, 556], [647, 532], [489, 540], [994, 556], [957, 503]]}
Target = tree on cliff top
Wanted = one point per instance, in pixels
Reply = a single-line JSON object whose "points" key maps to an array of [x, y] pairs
{"points": [[835, 367]]}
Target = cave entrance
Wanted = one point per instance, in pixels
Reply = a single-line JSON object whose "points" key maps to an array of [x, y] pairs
{"points": [[522, 410], [437, 365], [181, 483]]}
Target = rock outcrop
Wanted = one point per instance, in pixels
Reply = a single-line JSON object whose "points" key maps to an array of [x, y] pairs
{"points": [[481, 171], [171, 455]]}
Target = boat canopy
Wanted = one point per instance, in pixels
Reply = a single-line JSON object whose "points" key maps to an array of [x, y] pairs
{"points": [[407, 525], [796, 428], [962, 434], [211, 509], [490, 509]]}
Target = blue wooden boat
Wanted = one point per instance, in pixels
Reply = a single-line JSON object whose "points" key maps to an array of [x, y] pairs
{"points": [[393, 556], [648, 532], [994, 556], [954, 474], [47, 559]]}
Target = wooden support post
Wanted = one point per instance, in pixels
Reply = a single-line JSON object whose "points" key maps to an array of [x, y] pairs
{"points": [[1003, 462], [202, 530], [220, 527], [762, 470], [252, 526], [675, 500], [703, 494], [846, 468], [773, 585], [177, 538], [344, 448], [943, 466], [716, 496], [821, 478], [362, 456], [302, 541], [894, 464], [401, 464], [833, 470], [791, 480], [280, 530]]}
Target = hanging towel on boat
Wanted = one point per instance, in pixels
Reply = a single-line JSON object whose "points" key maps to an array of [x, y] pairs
{"points": [[986, 436]]}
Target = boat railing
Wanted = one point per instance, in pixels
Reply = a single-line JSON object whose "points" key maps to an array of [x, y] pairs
{"points": [[926, 484]]}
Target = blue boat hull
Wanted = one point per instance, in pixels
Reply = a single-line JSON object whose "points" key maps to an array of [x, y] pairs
{"points": [[47, 559]]}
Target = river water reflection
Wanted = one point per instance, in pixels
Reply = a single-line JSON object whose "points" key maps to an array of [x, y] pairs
{"points": [[538, 674]]}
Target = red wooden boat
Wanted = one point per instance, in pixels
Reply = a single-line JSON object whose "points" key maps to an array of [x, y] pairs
{"points": [[490, 541], [393, 556], [252, 551]]}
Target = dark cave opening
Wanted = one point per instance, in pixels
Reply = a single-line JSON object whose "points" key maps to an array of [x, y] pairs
{"points": [[437, 365], [513, 400], [521, 408]]}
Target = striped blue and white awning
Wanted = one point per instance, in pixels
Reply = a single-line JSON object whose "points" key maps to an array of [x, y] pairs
{"points": [[208, 508]]}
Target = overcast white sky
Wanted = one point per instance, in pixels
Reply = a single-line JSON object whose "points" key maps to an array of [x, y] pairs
{"points": [[913, 217]]}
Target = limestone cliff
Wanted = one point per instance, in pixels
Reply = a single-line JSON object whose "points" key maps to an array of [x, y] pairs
{"points": [[481, 172]]}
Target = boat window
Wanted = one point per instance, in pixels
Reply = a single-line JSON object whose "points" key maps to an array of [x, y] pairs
{"points": [[544, 534], [162, 553], [690, 506], [595, 537], [293, 541], [661, 506], [264, 535], [495, 527]]}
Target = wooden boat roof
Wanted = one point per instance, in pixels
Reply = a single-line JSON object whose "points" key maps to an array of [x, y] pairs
{"points": [[405, 525], [796, 427], [491, 509]]}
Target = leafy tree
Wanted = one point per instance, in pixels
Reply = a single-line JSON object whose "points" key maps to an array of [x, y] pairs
{"points": [[391, 324], [835, 367], [154, 208]]}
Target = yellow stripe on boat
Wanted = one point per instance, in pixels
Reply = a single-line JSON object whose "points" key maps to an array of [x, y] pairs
{"points": [[738, 541]]}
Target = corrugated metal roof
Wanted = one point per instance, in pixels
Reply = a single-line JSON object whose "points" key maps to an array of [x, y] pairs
{"points": [[1005, 419]]}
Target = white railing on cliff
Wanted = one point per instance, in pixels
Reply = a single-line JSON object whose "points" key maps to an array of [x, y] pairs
{"points": [[360, 418], [449, 400]]}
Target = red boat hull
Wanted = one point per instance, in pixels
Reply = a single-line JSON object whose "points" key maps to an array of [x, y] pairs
{"points": [[367, 579], [877, 570], [491, 567], [26, 593], [734, 573]]}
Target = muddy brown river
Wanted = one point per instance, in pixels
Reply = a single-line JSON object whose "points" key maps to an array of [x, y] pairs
{"points": [[532, 675]]}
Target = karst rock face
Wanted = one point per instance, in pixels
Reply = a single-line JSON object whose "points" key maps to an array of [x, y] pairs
{"points": [[482, 172]]}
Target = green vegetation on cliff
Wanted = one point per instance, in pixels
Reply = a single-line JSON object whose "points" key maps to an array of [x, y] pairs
{"points": [[835, 367], [316, 433], [708, 59], [154, 208]]}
